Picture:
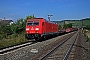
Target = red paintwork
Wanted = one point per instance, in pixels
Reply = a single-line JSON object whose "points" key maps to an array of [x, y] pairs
{"points": [[43, 27], [71, 29], [68, 29]]}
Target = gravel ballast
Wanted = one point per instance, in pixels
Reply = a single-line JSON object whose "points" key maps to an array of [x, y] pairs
{"points": [[28, 52]]}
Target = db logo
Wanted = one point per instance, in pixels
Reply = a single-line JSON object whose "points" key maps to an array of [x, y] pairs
{"points": [[32, 28]]}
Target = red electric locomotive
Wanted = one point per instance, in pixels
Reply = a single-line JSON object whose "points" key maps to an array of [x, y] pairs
{"points": [[39, 28]]}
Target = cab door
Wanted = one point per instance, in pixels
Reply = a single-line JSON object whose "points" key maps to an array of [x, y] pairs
{"points": [[43, 28]]}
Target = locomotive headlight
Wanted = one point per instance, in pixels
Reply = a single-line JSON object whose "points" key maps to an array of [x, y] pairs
{"points": [[27, 28], [37, 29]]}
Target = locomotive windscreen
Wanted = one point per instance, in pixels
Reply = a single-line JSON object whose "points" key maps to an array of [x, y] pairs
{"points": [[30, 23]]}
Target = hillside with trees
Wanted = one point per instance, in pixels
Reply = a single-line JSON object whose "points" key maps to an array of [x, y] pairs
{"points": [[75, 23]]}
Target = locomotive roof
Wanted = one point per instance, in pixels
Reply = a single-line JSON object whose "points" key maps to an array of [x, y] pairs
{"points": [[35, 18], [45, 20], [49, 21]]}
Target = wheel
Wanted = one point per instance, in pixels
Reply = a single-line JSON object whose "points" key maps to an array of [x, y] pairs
{"points": [[38, 39]]}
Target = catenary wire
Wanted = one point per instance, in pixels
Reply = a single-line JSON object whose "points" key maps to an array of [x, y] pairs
{"points": [[69, 9]]}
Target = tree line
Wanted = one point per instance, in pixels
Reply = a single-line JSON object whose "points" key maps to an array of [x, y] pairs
{"points": [[16, 28]]}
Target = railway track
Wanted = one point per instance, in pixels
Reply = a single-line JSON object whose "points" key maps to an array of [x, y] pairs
{"points": [[5, 50], [72, 48], [10, 48], [58, 50], [80, 50], [61, 51], [24, 52]]}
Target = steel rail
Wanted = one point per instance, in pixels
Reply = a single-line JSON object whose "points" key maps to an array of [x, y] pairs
{"points": [[69, 49], [2, 51], [53, 49]]}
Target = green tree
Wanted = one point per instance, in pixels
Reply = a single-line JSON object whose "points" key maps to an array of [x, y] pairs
{"points": [[28, 17], [87, 27], [19, 26], [86, 19], [16, 28], [59, 26], [5, 30], [68, 25]]}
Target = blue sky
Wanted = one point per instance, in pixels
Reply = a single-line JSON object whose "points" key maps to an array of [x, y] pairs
{"points": [[60, 9]]}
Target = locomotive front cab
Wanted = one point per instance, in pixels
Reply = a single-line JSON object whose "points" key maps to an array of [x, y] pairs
{"points": [[32, 28]]}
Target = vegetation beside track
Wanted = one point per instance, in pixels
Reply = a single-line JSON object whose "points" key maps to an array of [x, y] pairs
{"points": [[88, 36], [12, 40], [13, 34]]}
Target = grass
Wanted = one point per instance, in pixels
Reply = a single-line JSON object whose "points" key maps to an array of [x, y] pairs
{"points": [[87, 35], [12, 40]]}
